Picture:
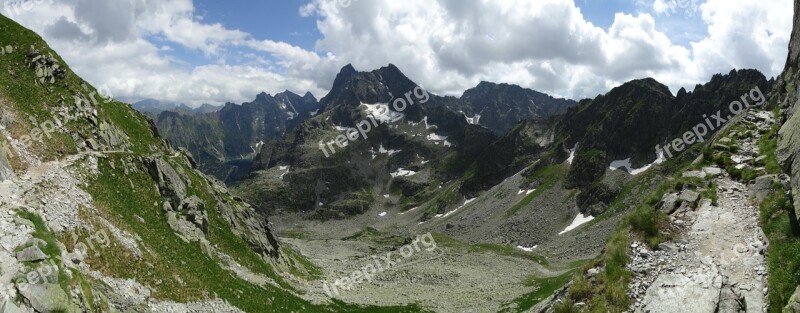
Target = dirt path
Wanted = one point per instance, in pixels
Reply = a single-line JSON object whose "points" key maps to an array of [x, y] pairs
{"points": [[718, 265]]}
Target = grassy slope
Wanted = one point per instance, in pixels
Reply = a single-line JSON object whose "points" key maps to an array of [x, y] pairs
{"points": [[174, 269]]}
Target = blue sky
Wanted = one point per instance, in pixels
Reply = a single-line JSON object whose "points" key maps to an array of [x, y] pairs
{"points": [[204, 51]]}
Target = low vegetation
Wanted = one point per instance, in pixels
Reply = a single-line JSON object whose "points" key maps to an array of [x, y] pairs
{"points": [[783, 258]]}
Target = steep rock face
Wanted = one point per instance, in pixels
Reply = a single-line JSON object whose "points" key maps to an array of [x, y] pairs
{"points": [[632, 119], [522, 146], [267, 117], [786, 95], [500, 107], [6, 172], [224, 141], [627, 122], [201, 135]]}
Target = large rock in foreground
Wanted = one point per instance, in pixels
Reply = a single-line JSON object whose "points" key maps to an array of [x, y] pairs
{"points": [[697, 292], [48, 298]]}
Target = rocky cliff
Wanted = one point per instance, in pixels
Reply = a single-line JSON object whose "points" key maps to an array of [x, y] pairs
{"points": [[786, 96]]}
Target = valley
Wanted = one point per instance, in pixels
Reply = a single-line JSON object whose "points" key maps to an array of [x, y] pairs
{"points": [[383, 196]]}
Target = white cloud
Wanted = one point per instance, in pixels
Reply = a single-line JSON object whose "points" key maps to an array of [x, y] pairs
{"points": [[446, 45]]}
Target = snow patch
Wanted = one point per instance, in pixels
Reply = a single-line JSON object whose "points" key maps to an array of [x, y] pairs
{"points": [[435, 137], [636, 171], [382, 113], [429, 126], [526, 249], [382, 214], [475, 120], [344, 129], [383, 150], [579, 220], [572, 153], [401, 172], [466, 202], [404, 213]]}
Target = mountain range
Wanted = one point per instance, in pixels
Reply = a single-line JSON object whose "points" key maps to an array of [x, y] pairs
{"points": [[529, 203]]}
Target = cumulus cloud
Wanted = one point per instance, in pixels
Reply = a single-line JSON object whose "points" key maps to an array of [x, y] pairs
{"points": [[549, 45], [446, 45]]}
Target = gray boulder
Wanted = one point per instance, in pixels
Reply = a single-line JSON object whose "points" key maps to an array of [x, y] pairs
{"points": [[669, 203], [697, 292], [794, 303], [195, 211], [31, 254], [763, 186], [694, 174], [9, 307], [48, 298], [712, 171], [690, 197], [170, 184], [6, 172]]}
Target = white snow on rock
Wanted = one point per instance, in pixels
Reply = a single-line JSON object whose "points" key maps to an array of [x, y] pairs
{"points": [[466, 202], [285, 170], [404, 213], [579, 220], [475, 120], [428, 126], [401, 172], [383, 150], [435, 137], [527, 249], [626, 164], [572, 153], [382, 113], [382, 214]]}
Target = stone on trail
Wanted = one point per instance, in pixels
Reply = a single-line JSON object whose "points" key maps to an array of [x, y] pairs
{"points": [[712, 171], [669, 203], [698, 291], [48, 298], [9, 307], [694, 174], [31, 254], [690, 197]]}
